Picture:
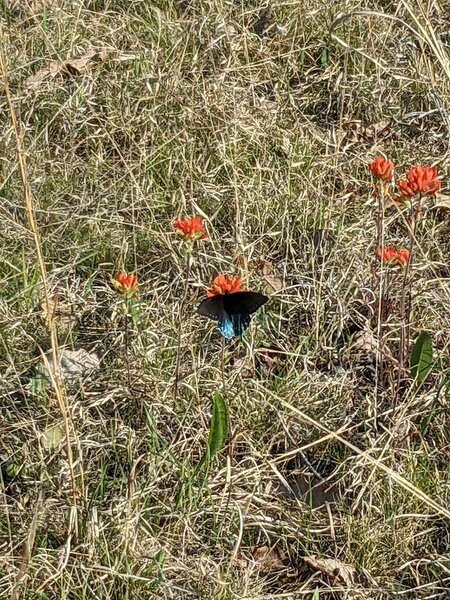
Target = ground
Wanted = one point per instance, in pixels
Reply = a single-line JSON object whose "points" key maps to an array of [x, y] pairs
{"points": [[263, 120]]}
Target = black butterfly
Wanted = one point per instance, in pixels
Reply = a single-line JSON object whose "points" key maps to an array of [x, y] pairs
{"points": [[232, 310]]}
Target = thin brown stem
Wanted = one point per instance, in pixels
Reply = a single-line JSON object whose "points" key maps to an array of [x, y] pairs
{"points": [[127, 343], [223, 368], [180, 326], [55, 371], [405, 301], [380, 282], [378, 235]]}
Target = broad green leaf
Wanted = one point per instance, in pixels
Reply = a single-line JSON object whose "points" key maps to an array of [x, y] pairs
{"points": [[218, 431], [219, 425], [421, 357]]}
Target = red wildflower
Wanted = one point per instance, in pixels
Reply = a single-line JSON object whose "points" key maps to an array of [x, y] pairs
{"points": [[223, 284], [386, 254], [191, 229], [420, 180], [392, 256], [402, 256], [382, 168], [126, 284]]}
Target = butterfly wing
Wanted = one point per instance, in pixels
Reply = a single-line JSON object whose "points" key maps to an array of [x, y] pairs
{"points": [[240, 322], [212, 308], [244, 302], [226, 326], [239, 306], [232, 311]]}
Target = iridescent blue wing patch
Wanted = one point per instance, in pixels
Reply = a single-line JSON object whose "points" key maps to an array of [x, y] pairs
{"points": [[226, 326]]}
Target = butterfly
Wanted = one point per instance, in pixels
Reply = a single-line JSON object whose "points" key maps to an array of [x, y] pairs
{"points": [[232, 310]]}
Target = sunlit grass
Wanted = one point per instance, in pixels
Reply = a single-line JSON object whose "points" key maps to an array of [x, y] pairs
{"points": [[268, 138]]}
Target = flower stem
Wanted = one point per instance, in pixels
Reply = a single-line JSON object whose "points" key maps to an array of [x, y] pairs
{"points": [[381, 283], [223, 368], [127, 338], [180, 324], [405, 301]]}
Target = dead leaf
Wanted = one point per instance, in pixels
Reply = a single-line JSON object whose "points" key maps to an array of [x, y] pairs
{"points": [[364, 344], [241, 261], [52, 437], [271, 359], [67, 68], [273, 284], [244, 366], [264, 266], [265, 559], [338, 572], [74, 364], [357, 133], [269, 559]]}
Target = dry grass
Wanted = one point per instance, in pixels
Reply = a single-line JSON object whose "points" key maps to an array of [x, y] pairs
{"points": [[268, 137]]}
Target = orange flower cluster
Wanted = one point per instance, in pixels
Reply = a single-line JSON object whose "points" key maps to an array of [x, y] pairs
{"points": [[191, 229], [223, 284], [382, 168], [392, 256], [419, 180], [126, 284]]}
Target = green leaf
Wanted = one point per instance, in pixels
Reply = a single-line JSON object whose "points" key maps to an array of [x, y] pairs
{"points": [[134, 311], [421, 357], [324, 58], [219, 425], [316, 596], [13, 469], [218, 431]]}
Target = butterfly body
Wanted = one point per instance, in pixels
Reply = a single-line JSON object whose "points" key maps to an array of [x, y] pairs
{"points": [[232, 311]]}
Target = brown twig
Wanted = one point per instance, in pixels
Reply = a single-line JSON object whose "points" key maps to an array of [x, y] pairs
{"points": [[405, 300]]}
